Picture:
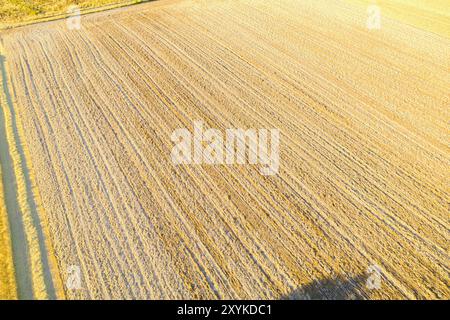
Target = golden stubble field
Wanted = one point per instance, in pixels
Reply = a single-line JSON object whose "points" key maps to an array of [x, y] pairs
{"points": [[363, 178]]}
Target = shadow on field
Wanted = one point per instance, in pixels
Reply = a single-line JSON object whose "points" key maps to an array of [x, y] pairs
{"points": [[338, 288], [13, 205]]}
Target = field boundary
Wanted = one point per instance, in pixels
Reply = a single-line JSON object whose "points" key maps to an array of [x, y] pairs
{"points": [[32, 256], [8, 288], [85, 11]]}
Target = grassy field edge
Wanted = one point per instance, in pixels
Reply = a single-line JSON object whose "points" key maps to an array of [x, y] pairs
{"points": [[8, 289], [64, 15]]}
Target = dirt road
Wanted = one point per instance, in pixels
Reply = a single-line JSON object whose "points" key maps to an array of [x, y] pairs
{"points": [[364, 154]]}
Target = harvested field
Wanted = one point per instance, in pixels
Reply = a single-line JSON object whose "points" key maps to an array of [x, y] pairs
{"points": [[364, 154], [35, 271]]}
